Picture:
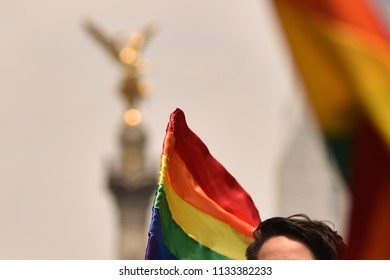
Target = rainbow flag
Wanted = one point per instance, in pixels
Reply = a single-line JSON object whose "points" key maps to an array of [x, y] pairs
{"points": [[341, 50], [200, 211]]}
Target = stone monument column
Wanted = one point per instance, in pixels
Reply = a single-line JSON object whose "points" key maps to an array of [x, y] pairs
{"points": [[129, 180]]}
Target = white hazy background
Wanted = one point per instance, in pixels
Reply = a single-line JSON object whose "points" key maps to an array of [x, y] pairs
{"points": [[221, 62]]}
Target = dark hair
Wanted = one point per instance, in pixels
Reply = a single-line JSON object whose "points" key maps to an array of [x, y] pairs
{"points": [[323, 242]]}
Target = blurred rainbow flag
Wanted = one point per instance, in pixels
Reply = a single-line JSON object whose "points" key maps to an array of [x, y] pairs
{"points": [[341, 50], [200, 211]]}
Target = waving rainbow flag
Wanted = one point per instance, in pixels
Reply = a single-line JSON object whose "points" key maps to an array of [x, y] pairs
{"points": [[341, 50], [200, 211]]}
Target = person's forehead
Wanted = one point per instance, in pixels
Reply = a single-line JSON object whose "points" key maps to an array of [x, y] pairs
{"points": [[284, 248]]}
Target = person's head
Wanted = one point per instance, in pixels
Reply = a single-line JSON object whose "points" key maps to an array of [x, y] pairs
{"points": [[295, 237]]}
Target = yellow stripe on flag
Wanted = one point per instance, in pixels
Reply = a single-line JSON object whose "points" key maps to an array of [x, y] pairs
{"points": [[206, 229]]}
